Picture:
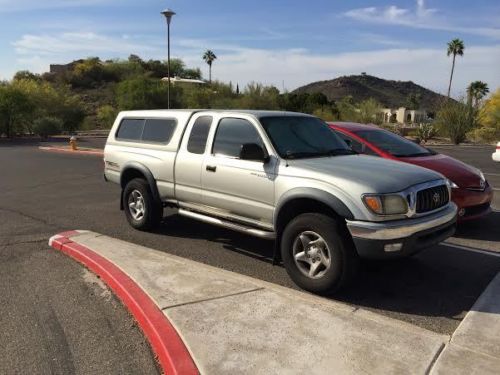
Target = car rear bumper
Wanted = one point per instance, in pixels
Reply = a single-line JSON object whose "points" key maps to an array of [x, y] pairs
{"points": [[402, 237]]}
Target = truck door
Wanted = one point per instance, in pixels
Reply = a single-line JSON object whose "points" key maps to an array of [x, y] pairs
{"points": [[238, 187], [189, 160]]}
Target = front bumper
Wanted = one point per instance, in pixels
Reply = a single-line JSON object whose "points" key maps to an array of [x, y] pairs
{"points": [[473, 203], [402, 237]]}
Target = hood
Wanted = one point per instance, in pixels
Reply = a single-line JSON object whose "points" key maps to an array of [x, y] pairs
{"points": [[370, 174], [460, 173]]}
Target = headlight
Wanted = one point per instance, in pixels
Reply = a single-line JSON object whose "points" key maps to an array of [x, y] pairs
{"points": [[481, 174], [452, 184], [390, 204]]}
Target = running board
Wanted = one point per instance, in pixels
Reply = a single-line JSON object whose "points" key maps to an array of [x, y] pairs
{"points": [[227, 224]]}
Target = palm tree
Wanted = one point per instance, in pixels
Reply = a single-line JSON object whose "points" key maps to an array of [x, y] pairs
{"points": [[476, 91], [455, 47], [209, 58]]}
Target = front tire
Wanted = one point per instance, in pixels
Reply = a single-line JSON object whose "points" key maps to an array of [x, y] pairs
{"points": [[318, 253], [141, 210]]}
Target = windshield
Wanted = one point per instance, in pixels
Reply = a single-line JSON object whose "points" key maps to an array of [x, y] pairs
{"points": [[393, 143], [296, 137]]}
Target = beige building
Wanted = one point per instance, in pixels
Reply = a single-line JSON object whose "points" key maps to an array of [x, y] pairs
{"points": [[403, 115]]}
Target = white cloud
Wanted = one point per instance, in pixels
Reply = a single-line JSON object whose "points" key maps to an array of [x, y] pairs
{"points": [[420, 17], [82, 43], [427, 67]]}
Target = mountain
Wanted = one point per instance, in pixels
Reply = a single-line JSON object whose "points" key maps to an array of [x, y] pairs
{"points": [[391, 94]]}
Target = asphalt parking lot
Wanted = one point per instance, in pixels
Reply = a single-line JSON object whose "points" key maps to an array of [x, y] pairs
{"points": [[45, 193]]}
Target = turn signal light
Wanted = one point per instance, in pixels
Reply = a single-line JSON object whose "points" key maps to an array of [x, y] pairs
{"points": [[374, 204]]}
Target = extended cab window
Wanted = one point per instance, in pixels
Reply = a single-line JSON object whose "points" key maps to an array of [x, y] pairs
{"points": [[130, 129], [199, 135], [158, 130], [146, 130], [231, 134]]}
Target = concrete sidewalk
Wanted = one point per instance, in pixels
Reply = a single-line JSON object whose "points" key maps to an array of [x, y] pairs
{"points": [[235, 324]]}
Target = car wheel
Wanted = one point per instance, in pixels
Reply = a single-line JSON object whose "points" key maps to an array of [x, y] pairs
{"points": [[142, 212], [318, 253]]}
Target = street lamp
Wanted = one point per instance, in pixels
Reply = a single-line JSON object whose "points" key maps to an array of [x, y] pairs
{"points": [[168, 13]]}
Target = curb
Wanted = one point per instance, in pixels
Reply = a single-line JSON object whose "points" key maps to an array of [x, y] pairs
{"points": [[64, 150], [172, 354]]}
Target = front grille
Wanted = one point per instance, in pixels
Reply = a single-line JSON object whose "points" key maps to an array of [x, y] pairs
{"points": [[433, 198]]}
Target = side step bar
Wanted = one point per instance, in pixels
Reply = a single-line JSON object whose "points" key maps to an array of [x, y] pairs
{"points": [[227, 224]]}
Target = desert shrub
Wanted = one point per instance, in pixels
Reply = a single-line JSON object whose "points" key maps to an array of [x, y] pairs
{"points": [[326, 114], [369, 112], [47, 126], [486, 135], [426, 132], [454, 120]]}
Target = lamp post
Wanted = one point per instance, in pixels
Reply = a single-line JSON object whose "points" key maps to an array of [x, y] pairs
{"points": [[168, 13]]}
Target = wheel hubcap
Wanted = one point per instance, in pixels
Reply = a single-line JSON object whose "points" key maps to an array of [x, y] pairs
{"points": [[136, 205], [311, 254]]}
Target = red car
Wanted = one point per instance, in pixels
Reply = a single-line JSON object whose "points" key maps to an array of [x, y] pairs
{"points": [[470, 190]]}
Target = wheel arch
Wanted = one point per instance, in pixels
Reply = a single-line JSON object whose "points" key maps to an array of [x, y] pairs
{"points": [[133, 170], [301, 200]]}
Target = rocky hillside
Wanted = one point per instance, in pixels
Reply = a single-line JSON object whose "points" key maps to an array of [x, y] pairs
{"points": [[392, 94]]}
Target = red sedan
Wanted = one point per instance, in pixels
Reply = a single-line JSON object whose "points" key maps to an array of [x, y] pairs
{"points": [[470, 190]]}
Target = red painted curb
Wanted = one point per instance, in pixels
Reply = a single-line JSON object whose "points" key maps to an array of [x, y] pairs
{"points": [[172, 354], [63, 150]]}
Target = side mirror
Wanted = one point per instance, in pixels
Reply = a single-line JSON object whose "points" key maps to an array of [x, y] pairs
{"points": [[252, 151], [349, 142]]}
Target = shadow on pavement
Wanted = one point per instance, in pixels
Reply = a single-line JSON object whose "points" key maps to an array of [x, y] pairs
{"points": [[439, 282], [486, 229]]}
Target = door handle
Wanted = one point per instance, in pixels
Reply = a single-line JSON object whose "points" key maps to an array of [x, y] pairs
{"points": [[211, 168]]}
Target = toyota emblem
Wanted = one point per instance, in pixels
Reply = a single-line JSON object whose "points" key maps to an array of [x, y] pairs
{"points": [[436, 197]]}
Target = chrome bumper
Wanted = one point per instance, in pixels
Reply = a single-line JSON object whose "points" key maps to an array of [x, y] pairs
{"points": [[390, 230]]}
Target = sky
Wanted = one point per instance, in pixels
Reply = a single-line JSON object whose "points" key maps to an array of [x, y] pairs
{"points": [[285, 43]]}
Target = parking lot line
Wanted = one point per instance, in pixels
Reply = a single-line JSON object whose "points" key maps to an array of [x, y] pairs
{"points": [[492, 174], [471, 249]]}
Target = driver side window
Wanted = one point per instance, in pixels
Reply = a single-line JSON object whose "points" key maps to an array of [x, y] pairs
{"points": [[231, 134]]}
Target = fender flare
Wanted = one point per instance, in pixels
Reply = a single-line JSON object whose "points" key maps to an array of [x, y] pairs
{"points": [[133, 165], [315, 194], [322, 196]]}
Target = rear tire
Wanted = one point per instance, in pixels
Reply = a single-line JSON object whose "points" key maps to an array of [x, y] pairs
{"points": [[318, 253], [142, 211]]}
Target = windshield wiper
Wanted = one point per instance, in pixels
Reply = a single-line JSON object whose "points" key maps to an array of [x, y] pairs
{"points": [[412, 155], [313, 154]]}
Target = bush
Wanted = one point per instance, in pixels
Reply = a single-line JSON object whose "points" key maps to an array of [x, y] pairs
{"points": [[455, 119], [486, 135], [426, 132], [106, 116], [47, 126]]}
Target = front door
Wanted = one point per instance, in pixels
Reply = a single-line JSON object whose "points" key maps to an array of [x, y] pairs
{"points": [[238, 187]]}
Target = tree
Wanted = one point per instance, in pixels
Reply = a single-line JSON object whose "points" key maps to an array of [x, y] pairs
{"points": [[26, 74], [209, 58], [413, 100], [47, 126], [15, 107], [455, 47], [476, 91], [106, 116]]}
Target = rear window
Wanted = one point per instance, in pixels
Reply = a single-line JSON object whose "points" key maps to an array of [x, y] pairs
{"points": [[130, 129], [146, 130]]}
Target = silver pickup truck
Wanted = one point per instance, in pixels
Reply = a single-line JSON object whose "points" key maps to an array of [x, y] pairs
{"points": [[281, 176]]}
